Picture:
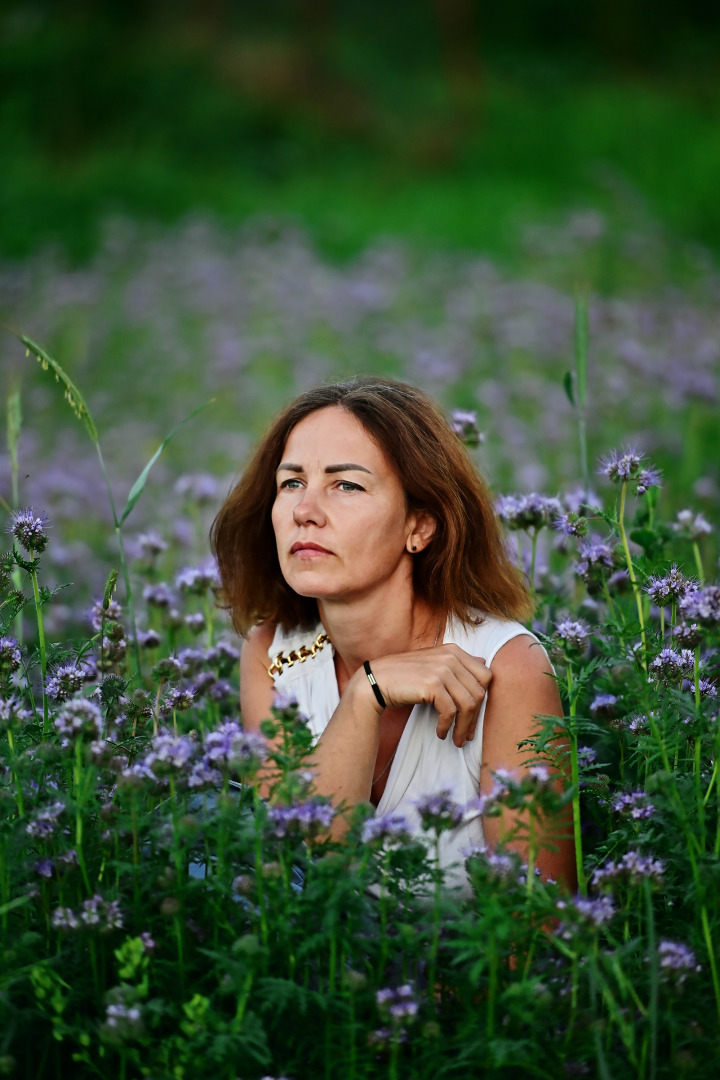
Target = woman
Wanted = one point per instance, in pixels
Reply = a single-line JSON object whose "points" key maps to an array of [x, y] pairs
{"points": [[361, 558]]}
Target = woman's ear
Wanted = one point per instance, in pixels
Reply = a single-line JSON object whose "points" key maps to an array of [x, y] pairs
{"points": [[423, 526]]}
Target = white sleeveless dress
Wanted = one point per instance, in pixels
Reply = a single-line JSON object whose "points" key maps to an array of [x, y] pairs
{"points": [[423, 764]]}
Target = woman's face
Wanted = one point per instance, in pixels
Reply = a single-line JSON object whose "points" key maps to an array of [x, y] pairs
{"points": [[340, 515]]}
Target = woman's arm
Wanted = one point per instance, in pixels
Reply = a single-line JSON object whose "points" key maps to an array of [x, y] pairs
{"points": [[523, 688], [345, 756]]}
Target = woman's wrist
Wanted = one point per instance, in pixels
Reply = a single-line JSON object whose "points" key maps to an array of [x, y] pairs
{"points": [[362, 695]]}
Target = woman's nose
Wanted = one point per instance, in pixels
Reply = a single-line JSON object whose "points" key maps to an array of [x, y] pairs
{"points": [[307, 510]]}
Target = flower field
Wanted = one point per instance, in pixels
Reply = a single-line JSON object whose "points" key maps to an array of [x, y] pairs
{"points": [[159, 920]]}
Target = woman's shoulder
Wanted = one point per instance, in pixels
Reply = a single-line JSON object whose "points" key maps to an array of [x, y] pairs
{"points": [[484, 635]]}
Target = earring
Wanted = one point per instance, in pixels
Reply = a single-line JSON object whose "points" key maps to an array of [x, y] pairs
{"points": [[414, 548]]}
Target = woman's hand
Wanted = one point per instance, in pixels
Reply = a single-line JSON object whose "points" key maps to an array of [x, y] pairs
{"points": [[445, 676]]}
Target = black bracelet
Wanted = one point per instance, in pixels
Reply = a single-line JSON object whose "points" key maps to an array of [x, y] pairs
{"points": [[376, 689]]}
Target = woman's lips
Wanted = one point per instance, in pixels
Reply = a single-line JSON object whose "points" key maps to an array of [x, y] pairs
{"points": [[308, 551]]}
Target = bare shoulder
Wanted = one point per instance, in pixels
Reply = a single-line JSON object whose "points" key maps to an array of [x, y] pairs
{"points": [[522, 655], [256, 684]]}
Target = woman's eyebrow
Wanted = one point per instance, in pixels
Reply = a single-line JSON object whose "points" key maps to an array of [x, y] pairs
{"points": [[346, 466]]}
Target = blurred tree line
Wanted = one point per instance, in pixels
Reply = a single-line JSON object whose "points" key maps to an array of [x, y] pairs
{"points": [[116, 101]]}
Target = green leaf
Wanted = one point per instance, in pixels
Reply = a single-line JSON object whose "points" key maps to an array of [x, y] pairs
{"points": [[139, 486], [645, 538], [568, 384]]}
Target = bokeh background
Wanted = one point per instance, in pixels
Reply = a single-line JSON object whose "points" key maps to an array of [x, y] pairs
{"points": [[233, 199]]}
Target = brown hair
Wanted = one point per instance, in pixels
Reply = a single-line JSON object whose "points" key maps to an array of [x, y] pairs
{"points": [[464, 567]]}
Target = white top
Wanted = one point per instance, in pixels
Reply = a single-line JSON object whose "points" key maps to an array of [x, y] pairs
{"points": [[423, 764]]}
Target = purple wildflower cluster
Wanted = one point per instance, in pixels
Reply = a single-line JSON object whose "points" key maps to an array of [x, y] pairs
{"points": [[633, 804], [95, 914], [691, 526], [386, 830], [439, 811], [45, 821], [702, 605], [668, 588], [631, 869], [671, 666], [465, 425], [66, 679], [626, 466], [596, 562], [582, 913], [530, 512], [80, 716], [676, 961], [571, 635], [398, 1003], [10, 655], [122, 1023], [302, 822]]}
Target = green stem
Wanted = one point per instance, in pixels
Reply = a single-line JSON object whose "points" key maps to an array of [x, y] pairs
{"points": [[631, 573], [41, 643], [711, 957], [16, 777], [78, 786], [654, 977], [533, 555], [575, 780], [698, 561]]}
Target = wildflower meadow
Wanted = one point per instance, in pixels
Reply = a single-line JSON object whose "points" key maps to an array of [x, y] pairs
{"points": [[158, 918]]}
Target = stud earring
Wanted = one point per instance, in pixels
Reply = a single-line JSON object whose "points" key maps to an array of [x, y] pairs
{"points": [[414, 548]]}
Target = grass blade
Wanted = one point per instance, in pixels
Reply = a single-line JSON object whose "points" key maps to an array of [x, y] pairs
{"points": [[139, 486], [73, 395]]}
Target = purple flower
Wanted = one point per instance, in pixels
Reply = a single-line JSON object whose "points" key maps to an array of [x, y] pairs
{"points": [[586, 757], [231, 749], [669, 588], [595, 561], [10, 655], [148, 639], [702, 605], [45, 868], [464, 424], [676, 961], [671, 666], [633, 804], [647, 478], [79, 717], [687, 635], [63, 918], [382, 828], [149, 545], [28, 528], [603, 705], [303, 821], [200, 487], [99, 614], [179, 699], [64, 681], [632, 868], [691, 526], [581, 913], [438, 811], [195, 622], [398, 1003], [45, 821], [570, 524], [197, 580], [531, 511], [159, 595], [572, 634]]}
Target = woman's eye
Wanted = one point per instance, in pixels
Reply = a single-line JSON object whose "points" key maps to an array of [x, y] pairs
{"points": [[290, 485], [347, 485]]}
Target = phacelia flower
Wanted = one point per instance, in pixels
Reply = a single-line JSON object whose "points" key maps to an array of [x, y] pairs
{"points": [[439, 811], [631, 868], [64, 681], [570, 524], [702, 605], [676, 961], [691, 526], [231, 749], [159, 595], [626, 466], [668, 588], [198, 580], [199, 487], [398, 1003], [572, 635], [79, 717], [304, 821], [581, 913], [595, 562], [687, 635], [464, 423], [531, 511], [10, 656], [634, 804], [149, 545], [671, 666], [28, 528], [603, 705], [386, 828], [179, 699]]}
